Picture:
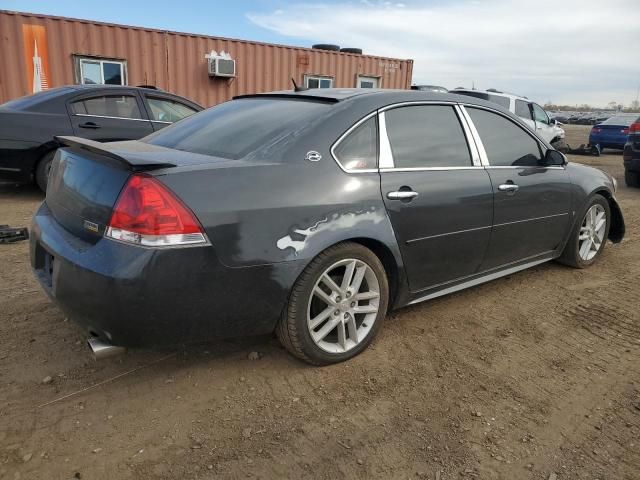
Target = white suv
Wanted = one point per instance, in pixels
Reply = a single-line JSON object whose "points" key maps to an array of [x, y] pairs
{"points": [[532, 113]]}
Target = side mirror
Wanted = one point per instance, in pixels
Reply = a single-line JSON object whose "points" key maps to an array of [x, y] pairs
{"points": [[554, 158]]}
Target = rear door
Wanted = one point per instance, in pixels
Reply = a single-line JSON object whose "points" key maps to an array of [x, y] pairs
{"points": [[164, 110], [437, 195], [108, 116], [532, 202]]}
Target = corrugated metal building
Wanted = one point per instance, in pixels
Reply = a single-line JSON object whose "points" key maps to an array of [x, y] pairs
{"points": [[41, 51]]}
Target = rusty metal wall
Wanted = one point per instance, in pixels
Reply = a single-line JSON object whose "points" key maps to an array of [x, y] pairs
{"points": [[175, 61]]}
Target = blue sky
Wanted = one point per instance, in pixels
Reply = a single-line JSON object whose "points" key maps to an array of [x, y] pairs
{"points": [[568, 51]]}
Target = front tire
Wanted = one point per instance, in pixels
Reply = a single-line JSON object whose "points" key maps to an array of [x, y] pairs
{"points": [[336, 306], [590, 234]]}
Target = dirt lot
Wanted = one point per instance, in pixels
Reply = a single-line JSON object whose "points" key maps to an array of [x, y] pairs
{"points": [[534, 374]]}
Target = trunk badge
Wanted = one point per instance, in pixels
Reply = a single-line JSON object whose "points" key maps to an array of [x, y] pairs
{"points": [[313, 156], [92, 227]]}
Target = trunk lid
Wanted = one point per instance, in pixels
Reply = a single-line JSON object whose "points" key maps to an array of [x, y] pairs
{"points": [[87, 177]]}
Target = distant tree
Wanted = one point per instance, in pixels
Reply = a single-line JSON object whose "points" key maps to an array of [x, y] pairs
{"points": [[612, 105], [635, 105]]}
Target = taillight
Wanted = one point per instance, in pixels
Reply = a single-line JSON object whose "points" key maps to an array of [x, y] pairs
{"points": [[625, 131], [634, 128], [596, 130], [148, 213]]}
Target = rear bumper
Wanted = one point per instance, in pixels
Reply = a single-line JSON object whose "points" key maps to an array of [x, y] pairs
{"points": [[607, 142], [135, 296]]}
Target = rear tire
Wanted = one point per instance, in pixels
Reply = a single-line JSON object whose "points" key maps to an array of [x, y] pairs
{"points": [[589, 236], [632, 179], [43, 169], [336, 306]]}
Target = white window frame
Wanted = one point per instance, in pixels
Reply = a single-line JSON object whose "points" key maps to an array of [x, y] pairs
{"points": [[319, 78], [375, 78], [80, 60]]}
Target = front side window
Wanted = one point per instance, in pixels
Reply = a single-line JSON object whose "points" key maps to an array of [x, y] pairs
{"points": [[359, 149], [317, 81], [121, 106], [423, 136], [539, 114], [505, 143], [98, 71], [164, 110], [522, 110]]}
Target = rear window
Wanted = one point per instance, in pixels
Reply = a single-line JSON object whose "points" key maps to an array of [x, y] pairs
{"points": [[623, 120], [236, 128], [32, 102]]}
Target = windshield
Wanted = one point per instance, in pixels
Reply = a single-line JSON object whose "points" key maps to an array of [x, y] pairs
{"points": [[236, 128]]}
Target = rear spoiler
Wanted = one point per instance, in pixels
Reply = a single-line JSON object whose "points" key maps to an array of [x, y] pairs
{"points": [[129, 157]]}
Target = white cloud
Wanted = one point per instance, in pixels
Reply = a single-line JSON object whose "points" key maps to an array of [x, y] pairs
{"points": [[567, 51]]}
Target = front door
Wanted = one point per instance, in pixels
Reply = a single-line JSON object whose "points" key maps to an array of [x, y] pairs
{"points": [[532, 202], [109, 116], [440, 203]]}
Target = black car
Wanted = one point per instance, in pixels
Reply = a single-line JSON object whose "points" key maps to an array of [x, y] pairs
{"points": [[97, 112], [311, 214], [631, 155]]}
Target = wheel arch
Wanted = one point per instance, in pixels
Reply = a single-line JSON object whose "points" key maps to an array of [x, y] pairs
{"points": [[617, 229]]}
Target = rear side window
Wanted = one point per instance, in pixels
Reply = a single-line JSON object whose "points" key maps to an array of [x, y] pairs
{"points": [[234, 129], [424, 136], [505, 143], [522, 110], [359, 149], [164, 110], [121, 106], [500, 100]]}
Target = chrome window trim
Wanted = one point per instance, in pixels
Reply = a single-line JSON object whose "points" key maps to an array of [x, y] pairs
{"points": [[428, 169], [476, 137], [385, 156], [471, 143], [386, 162], [161, 121], [506, 167], [106, 116], [344, 135]]}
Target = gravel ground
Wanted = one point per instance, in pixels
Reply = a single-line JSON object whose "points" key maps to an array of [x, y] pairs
{"points": [[534, 376]]}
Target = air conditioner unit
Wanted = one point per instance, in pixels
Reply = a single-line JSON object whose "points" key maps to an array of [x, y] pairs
{"points": [[220, 65]]}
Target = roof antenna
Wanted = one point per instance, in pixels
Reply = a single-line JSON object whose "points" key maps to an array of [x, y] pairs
{"points": [[296, 88]]}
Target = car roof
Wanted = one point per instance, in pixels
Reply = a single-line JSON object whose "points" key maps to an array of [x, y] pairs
{"points": [[492, 91], [380, 96]]}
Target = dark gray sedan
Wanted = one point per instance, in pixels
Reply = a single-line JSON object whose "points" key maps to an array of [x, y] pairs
{"points": [[311, 214]]}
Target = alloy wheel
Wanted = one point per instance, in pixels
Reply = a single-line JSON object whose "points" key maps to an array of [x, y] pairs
{"points": [[343, 305], [592, 232]]}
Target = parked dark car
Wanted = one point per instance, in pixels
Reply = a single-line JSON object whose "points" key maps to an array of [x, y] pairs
{"points": [[97, 112], [631, 155], [613, 132], [310, 214]]}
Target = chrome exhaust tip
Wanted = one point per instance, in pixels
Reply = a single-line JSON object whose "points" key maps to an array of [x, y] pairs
{"points": [[103, 349]]}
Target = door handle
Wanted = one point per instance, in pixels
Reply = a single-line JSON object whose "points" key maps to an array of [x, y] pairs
{"points": [[402, 195], [508, 187], [91, 125]]}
